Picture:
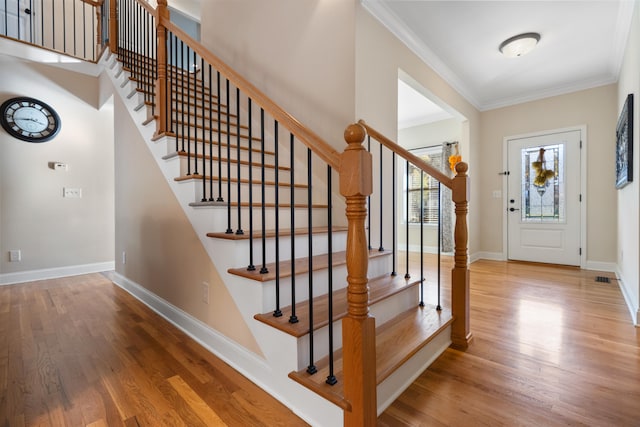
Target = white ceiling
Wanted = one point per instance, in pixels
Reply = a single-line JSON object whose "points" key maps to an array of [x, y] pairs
{"points": [[582, 44]]}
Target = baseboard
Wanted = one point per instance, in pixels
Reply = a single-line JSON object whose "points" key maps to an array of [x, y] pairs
{"points": [[491, 256], [54, 273], [634, 310], [425, 249], [213, 341], [601, 266]]}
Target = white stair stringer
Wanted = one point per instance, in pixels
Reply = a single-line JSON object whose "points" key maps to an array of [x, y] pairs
{"points": [[305, 403]]}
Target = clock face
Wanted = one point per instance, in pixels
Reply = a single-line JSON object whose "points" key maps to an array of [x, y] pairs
{"points": [[29, 119]]}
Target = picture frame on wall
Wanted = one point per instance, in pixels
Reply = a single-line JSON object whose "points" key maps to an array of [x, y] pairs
{"points": [[624, 144]]}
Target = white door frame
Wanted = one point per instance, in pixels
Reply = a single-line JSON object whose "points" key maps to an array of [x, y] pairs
{"points": [[583, 186]]}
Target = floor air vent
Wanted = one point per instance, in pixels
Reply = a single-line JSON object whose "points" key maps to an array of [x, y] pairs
{"points": [[603, 279]]}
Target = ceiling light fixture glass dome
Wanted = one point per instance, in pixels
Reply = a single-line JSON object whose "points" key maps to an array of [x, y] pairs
{"points": [[519, 45]]}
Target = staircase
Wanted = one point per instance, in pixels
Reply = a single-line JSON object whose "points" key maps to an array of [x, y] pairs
{"points": [[342, 334]]}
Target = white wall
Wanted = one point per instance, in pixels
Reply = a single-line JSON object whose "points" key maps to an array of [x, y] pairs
{"points": [[51, 231], [628, 199], [299, 53]]}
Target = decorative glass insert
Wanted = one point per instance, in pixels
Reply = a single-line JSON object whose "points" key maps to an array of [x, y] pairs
{"points": [[543, 184]]}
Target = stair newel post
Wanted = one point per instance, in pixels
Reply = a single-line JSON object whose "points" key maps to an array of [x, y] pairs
{"points": [[358, 328], [460, 332], [113, 26], [161, 64]]}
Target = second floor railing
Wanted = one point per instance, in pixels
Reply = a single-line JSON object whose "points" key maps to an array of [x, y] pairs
{"points": [[72, 27]]}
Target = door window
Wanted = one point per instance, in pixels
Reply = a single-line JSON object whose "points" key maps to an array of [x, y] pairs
{"points": [[543, 184]]}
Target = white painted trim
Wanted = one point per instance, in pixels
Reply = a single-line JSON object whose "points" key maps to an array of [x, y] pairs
{"points": [[583, 185], [491, 256], [54, 273], [634, 310], [200, 332], [609, 267]]}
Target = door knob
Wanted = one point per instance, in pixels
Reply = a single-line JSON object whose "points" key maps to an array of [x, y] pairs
{"points": [[513, 209]]}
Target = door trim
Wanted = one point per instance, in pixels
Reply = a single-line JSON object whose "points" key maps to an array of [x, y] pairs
{"points": [[583, 186]]}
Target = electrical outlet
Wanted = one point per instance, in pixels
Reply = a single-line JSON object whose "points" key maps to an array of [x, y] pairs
{"points": [[124, 257], [15, 256], [205, 292], [72, 193]]}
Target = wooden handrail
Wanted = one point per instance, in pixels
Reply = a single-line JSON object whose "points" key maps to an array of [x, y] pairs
{"points": [[407, 155], [319, 146]]}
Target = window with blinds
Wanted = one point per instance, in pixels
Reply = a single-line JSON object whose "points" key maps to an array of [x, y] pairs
{"points": [[433, 156]]}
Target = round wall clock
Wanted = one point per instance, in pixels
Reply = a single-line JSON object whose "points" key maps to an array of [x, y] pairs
{"points": [[29, 119]]}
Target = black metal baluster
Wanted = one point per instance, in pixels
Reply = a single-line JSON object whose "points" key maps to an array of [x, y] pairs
{"points": [[311, 369], [239, 230], [64, 26], [369, 202], [6, 20], [30, 21], [173, 97], [220, 198], [41, 20], [407, 275], [229, 229], [205, 123], [182, 97], [394, 238], [18, 12], [381, 248], [421, 238], [292, 318], [264, 268], [53, 23], [331, 378], [251, 266], [211, 199], [74, 27], [277, 312], [204, 141], [439, 307], [195, 106]]}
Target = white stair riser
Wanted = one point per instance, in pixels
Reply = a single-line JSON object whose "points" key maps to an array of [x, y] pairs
{"points": [[230, 167], [301, 248], [219, 217]]}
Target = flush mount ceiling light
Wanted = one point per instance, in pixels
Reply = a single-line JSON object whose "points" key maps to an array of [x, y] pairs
{"points": [[519, 45]]}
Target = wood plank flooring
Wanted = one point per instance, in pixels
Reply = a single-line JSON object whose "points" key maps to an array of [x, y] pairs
{"points": [[80, 351], [552, 347]]}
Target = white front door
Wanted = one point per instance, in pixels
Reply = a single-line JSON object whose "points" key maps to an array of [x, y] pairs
{"points": [[16, 22], [543, 198]]}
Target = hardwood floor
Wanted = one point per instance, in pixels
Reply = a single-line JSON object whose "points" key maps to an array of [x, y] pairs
{"points": [[552, 347], [79, 351]]}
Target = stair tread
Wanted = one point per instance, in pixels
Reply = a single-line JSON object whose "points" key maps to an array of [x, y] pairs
{"points": [[320, 262], [396, 341], [272, 233], [379, 289]]}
